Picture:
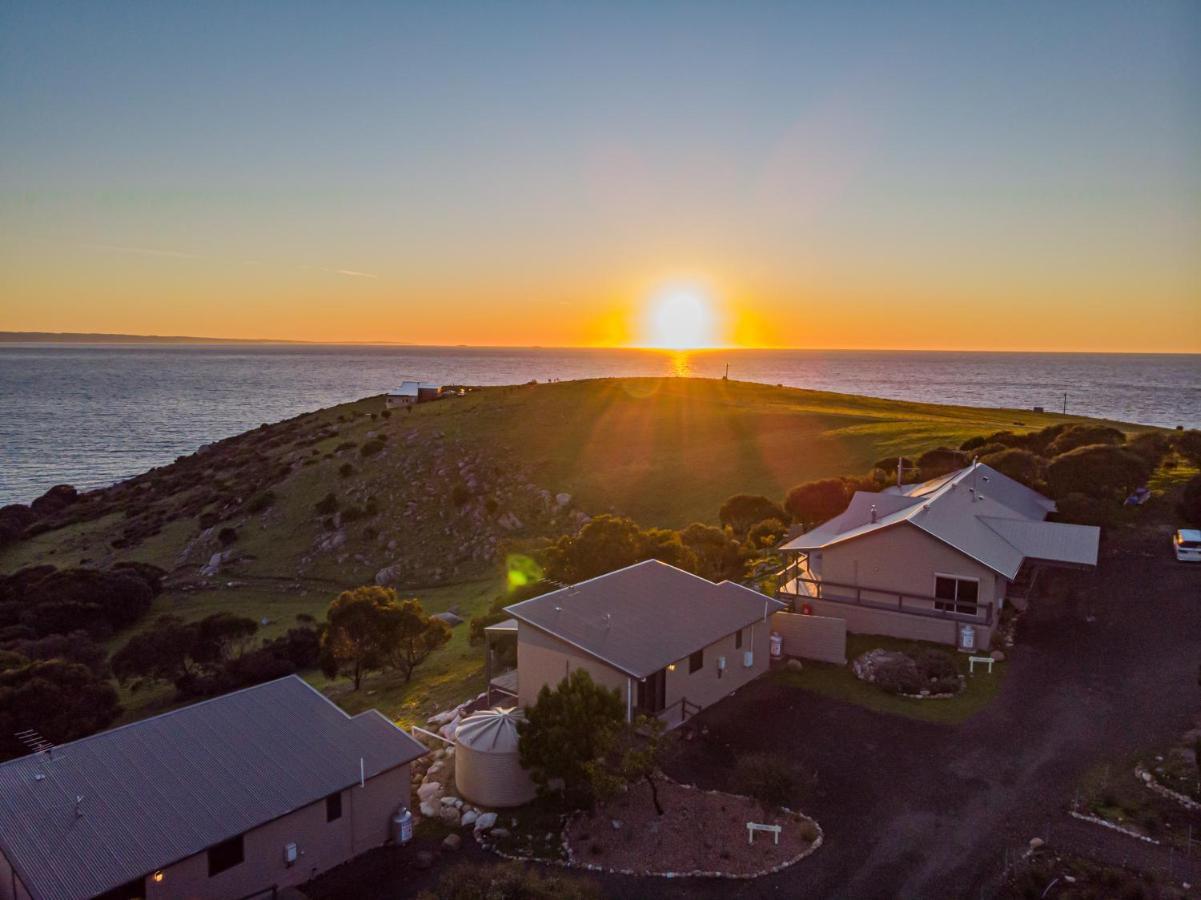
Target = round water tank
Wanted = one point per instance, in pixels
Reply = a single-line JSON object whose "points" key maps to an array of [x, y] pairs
{"points": [[487, 768]]}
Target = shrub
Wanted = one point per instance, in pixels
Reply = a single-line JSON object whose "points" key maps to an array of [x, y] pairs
{"points": [[260, 503], [771, 779], [207, 520], [227, 536], [941, 461], [1075, 436], [1080, 509], [742, 511], [60, 700], [371, 447], [899, 676], [1097, 470], [346, 470], [1020, 465], [808, 831], [509, 881], [814, 502], [768, 533], [460, 494], [1188, 445], [327, 505], [1190, 501]]}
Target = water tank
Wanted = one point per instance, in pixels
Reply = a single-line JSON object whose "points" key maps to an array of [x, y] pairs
{"points": [[487, 769]]}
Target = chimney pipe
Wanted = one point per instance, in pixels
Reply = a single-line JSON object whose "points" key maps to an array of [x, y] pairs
{"points": [[874, 514]]}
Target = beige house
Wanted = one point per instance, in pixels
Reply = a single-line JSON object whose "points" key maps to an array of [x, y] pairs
{"points": [[244, 794], [411, 392], [671, 643], [935, 561]]}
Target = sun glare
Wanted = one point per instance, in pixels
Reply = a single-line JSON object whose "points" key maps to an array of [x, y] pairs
{"points": [[680, 320]]}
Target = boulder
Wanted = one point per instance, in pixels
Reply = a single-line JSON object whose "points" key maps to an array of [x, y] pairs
{"points": [[485, 821], [452, 842], [54, 500], [450, 815], [389, 574], [468, 818], [429, 790]]}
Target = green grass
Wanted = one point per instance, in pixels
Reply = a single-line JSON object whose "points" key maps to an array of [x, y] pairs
{"points": [[840, 683]]}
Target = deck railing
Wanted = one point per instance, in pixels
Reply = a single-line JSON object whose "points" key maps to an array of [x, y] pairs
{"points": [[795, 584]]}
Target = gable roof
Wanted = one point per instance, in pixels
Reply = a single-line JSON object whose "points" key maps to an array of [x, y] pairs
{"points": [[977, 510], [645, 616], [162, 789]]}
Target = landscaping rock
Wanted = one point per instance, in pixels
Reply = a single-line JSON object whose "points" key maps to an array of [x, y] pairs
{"points": [[485, 821], [500, 832], [562, 499], [429, 790], [451, 801], [794, 664], [998, 655], [428, 809], [452, 842], [1037, 843], [450, 815], [469, 818]]}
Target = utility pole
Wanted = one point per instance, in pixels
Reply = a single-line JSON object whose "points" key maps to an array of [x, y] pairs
{"points": [[1065, 403]]}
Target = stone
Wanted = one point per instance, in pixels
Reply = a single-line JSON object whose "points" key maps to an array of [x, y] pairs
{"points": [[451, 801], [485, 821], [468, 818], [450, 815], [794, 664], [425, 859], [616, 823], [452, 842], [998, 655], [1037, 843], [500, 832], [389, 574], [429, 790], [562, 499], [428, 810]]}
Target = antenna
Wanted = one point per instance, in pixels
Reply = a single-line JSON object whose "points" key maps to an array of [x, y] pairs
{"points": [[875, 515], [35, 742], [79, 806]]}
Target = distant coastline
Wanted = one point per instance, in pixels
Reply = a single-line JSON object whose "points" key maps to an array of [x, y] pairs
{"points": [[80, 337]]}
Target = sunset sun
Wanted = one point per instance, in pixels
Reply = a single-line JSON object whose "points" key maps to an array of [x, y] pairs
{"points": [[680, 319]]}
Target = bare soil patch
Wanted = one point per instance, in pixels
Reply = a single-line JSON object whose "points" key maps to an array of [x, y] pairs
{"points": [[700, 833]]}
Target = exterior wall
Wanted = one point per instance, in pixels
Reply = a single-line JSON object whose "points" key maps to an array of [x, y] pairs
{"points": [[365, 823], [544, 659], [865, 620], [705, 686], [11, 887], [393, 401], [903, 559], [823, 638]]}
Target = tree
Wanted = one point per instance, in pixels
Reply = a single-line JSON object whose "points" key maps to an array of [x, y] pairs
{"points": [[636, 755], [1190, 501], [61, 701], [1020, 465], [767, 534], [666, 546], [189, 655], [716, 554], [941, 461], [1188, 445], [1075, 436], [1152, 446], [742, 511], [496, 609], [1098, 470], [814, 502], [569, 727], [76, 647], [357, 632], [604, 544], [413, 636]]}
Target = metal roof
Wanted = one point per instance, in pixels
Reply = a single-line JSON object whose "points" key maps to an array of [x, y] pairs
{"points": [[160, 790], [410, 388], [645, 616], [491, 730], [977, 510]]}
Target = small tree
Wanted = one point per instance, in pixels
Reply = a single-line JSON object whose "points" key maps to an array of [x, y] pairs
{"points": [[356, 636], [567, 731], [1098, 470], [636, 755], [413, 636], [718, 556], [767, 534], [1083, 436], [1190, 501], [742, 511], [1188, 445], [1020, 465], [814, 502], [941, 461]]}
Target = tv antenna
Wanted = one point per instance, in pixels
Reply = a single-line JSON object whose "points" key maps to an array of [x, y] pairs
{"points": [[35, 742]]}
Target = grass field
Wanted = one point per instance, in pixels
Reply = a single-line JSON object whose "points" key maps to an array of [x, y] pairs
{"points": [[840, 683]]}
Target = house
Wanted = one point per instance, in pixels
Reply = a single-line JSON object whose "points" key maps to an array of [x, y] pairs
{"points": [[411, 392], [934, 561], [239, 795], [670, 642]]}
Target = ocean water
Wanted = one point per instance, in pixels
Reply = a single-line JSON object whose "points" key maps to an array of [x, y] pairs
{"points": [[91, 415]]}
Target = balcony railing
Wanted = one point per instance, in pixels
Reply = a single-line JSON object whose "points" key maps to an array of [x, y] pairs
{"points": [[794, 583]]}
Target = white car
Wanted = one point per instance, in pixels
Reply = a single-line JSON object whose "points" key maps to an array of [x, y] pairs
{"points": [[1187, 544]]}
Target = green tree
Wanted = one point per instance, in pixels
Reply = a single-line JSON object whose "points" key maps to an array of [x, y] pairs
{"points": [[1103, 471], [181, 653], [742, 511], [1075, 436], [1190, 501], [815, 502], [60, 700], [636, 754], [567, 730], [1020, 465], [356, 634], [604, 544], [717, 555], [413, 636], [767, 534]]}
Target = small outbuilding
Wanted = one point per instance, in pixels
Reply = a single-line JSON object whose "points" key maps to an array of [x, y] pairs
{"points": [[488, 768], [411, 392]]}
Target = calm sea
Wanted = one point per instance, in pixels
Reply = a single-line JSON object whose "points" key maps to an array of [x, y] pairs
{"points": [[92, 415]]}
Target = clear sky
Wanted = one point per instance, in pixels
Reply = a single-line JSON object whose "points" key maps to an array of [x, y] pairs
{"points": [[912, 175]]}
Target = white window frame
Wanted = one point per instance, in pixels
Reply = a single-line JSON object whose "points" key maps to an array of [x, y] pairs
{"points": [[955, 606]]}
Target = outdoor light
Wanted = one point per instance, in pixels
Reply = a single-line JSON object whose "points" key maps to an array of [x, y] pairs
{"points": [[671, 667], [157, 876]]}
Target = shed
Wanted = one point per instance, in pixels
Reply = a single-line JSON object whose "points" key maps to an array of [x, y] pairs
{"points": [[488, 769]]}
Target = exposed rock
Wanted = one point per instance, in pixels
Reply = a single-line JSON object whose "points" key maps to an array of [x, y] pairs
{"points": [[562, 499], [450, 815], [485, 821], [389, 574], [998, 655], [1037, 843], [331, 540], [451, 842], [468, 818]]}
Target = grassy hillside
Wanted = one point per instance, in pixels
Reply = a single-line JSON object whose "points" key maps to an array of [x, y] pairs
{"points": [[428, 500]]}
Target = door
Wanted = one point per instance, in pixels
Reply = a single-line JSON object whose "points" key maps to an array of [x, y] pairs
{"points": [[652, 693]]}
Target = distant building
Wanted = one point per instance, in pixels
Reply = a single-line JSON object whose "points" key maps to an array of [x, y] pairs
{"points": [[411, 392], [236, 796]]}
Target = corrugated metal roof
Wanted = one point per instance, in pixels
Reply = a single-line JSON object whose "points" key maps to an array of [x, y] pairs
{"points": [[160, 790], [961, 510], [491, 730], [645, 616]]}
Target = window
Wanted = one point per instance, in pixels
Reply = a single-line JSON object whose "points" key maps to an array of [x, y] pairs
{"points": [[738, 639], [696, 661], [333, 807], [225, 855], [958, 595]]}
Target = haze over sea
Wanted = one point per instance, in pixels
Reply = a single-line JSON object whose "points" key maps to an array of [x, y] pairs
{"points": [[89, 415]]}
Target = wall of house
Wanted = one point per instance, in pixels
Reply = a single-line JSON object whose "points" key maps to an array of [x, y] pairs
{"points": [[903, 559], [11, 887], [365, 823], [865, 620], [823, 638], [709, 684], [544, 659]]}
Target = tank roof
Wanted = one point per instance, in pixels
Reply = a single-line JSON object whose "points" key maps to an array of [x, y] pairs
{"points": [[490, 730]]}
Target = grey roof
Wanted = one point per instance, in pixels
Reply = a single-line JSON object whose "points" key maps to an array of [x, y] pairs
{"points": [[160, 790], [410, 388], [977, 510], [645, 616]]}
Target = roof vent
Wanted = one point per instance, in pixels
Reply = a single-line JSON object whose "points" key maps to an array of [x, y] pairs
{"points": [[79, 806], [875, 514]]}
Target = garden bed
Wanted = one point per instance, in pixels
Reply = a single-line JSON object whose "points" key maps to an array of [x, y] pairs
{"points": [[701, 833], [920, 674]]}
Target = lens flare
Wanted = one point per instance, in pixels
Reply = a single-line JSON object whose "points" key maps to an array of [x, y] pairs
{"points": [[680, 319]]}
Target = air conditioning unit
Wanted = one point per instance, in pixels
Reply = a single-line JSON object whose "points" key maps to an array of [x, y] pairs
{"points": [[721, 663], [290, 854], [748, 659]]}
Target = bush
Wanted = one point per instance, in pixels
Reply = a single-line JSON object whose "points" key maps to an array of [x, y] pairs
{"points": [[815, 502], [1080, 509], [1188, 445], [460, 494], [61, 701], [771, 779], [260, 503], [1097, 470], [327, 505], [371, 447], [1190, 501], [742, 511], [1020, 465], [345, 470], [207, 520], [227, 536], [76, 647], [1075, 436], [941, 461]]}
